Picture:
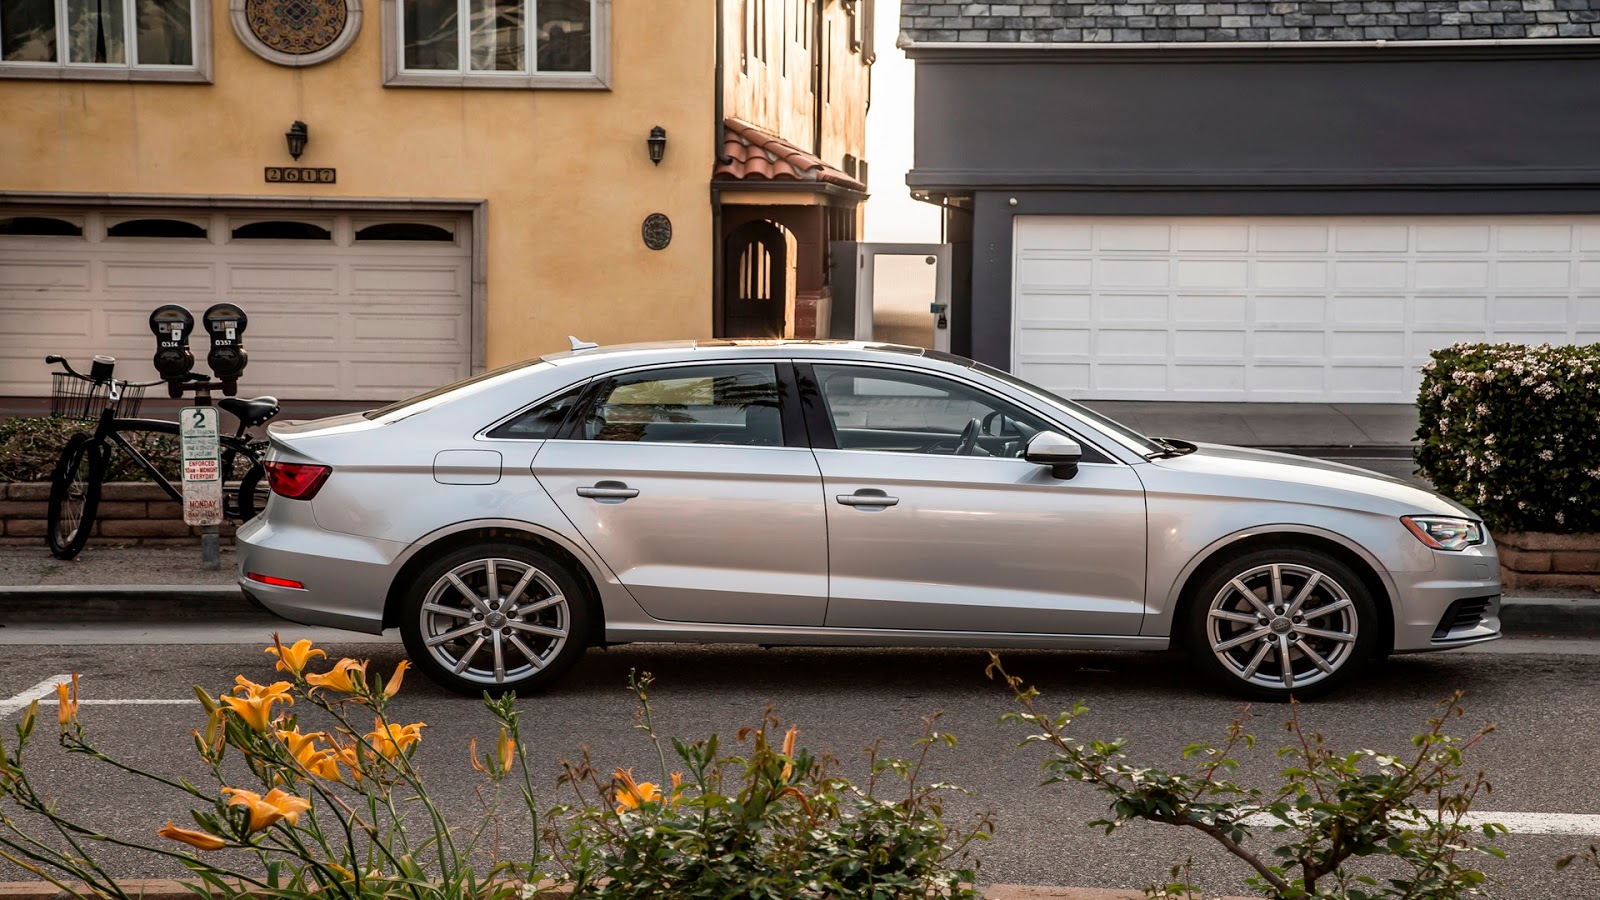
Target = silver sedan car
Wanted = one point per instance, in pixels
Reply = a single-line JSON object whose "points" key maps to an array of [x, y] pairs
{"points": [[840, 493]]}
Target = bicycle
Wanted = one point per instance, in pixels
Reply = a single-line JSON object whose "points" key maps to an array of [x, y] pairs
{"points": [[113, 404]]}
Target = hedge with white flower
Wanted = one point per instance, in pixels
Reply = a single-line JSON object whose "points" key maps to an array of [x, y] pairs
{"points": [[1509, 431]]}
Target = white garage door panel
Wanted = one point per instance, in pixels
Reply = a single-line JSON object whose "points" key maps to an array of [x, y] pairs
{"points": [[1316, 310], [329, 319]]}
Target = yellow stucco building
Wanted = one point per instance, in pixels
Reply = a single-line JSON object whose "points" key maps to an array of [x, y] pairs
{"points": [[464, 197]]}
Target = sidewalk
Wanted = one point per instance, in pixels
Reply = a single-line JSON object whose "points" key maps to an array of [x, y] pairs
{"points": [[111, 583]]}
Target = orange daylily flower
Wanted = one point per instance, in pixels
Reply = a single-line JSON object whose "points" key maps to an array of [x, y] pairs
{"points": [[266, 811], [67, 714], [349, 755], [253, 702], [293, 659], [507, 749], [196, 839], [393, 740], [788, 751], [347, 677], [303, 747], [632, 794], [472, 753], [393, 685], [244, 687]]}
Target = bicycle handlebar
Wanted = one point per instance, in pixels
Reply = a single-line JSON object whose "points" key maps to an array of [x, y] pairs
{"points": [[62, 362]]}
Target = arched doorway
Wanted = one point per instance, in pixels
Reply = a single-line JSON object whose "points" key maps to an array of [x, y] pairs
{"points": [[755, 281]]}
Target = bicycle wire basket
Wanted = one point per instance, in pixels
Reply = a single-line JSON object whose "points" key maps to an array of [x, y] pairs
{"points": [[76, 397]]}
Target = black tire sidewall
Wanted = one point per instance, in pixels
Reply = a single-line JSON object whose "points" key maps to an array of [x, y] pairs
{"points": [[244, 504], [77, 447], [579, 617], [1218, 575]]}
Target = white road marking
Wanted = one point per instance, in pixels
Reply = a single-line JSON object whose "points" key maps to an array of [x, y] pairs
{"points": [[1515, 822], [51, 701], [45, 688]]}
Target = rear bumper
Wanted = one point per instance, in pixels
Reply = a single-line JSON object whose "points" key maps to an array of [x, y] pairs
{"points": [[346, 578], [1454, 605]]}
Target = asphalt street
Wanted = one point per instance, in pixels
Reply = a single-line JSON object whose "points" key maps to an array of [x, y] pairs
{"points": [[1543, 696]]}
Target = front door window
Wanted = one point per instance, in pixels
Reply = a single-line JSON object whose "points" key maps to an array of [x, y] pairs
{"points": [[936, 522]]}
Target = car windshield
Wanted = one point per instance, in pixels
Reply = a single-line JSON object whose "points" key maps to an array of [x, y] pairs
{"points": [[410, 406], [1110, 426]]}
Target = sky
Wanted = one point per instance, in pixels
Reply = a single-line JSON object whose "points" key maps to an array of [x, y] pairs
{"points": [[892, 216]]}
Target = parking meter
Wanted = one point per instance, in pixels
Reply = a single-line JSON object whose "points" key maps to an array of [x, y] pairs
{"points": [[225, 323], [172, 324]]}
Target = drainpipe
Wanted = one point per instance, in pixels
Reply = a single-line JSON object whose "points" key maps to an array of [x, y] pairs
{"points": [[717, 106], [818, 58]]}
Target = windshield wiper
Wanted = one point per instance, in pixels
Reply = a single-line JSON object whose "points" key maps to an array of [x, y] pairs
{"points": [[1174, 447]]}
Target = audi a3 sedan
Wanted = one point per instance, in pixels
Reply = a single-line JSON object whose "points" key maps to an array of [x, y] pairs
{"points": [[840, 493]]}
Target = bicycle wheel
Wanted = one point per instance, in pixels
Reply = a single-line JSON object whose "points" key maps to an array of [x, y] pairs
{"points": [[250, 497], [74, 495]]}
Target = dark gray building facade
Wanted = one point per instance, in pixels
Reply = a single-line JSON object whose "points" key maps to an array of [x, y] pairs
{"points": [[1259, 201]]}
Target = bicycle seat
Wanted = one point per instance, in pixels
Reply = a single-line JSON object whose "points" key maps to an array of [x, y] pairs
{"points": [[251, 412]]}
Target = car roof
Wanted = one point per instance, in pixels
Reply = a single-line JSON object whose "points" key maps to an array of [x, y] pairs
{"points": [[797, 347]]}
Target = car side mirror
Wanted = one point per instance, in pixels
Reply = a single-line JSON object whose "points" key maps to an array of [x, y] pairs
{"points": [[1059, 452]]}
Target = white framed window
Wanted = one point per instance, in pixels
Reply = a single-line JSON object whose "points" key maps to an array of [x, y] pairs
{"points": [[118, 40], [506, 43]]}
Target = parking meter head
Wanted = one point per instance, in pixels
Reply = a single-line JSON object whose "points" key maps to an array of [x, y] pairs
{"points": [[225, 323], [172, 325]]}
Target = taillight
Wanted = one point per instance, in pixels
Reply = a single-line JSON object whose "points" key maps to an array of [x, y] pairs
{"points": [[296, 481], [275, 581]]}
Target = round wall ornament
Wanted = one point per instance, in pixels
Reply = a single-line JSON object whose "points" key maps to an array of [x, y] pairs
{"points": [[296, 32], [657, 231]]}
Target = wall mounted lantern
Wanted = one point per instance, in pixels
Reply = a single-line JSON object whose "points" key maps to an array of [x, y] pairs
{"points": [[296, 136], [657, 142]]}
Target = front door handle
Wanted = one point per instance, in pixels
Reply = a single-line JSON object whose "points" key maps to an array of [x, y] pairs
{"points": [[868, 497], [613, 491]]}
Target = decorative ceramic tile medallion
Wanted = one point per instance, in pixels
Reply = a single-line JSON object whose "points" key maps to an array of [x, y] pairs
{"points": [[297, 26], [657, 231], [296, 32]]}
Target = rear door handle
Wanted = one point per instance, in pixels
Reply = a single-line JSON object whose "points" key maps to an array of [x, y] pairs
{"points": [[614, 491], [868, 497]]}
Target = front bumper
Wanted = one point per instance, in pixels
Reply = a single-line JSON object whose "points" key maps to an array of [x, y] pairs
{"points": [[346, 578], [1454, 605]]}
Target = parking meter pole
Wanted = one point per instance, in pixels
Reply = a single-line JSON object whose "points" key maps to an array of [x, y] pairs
{"points": [[210, 535]]}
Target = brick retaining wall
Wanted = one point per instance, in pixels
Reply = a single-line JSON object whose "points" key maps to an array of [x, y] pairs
{"points": [[1536, 560], [130, 514]]}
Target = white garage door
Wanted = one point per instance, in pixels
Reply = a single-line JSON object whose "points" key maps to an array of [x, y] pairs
{"points": [[1295, 309], [360, 306]]}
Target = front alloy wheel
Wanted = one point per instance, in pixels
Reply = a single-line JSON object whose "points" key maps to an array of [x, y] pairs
{"points": [[1279, 623], [497, 617]]}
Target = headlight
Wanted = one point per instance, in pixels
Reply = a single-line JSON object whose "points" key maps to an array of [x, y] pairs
{"points": [[1445, 532]]}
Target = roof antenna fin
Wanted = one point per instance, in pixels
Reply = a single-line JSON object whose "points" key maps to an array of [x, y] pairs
{"points": [[581, 345]]}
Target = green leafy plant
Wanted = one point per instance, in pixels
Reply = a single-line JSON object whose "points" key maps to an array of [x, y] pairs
{"points": [[298, 813], [30, 445], [773, 821], [1331, 809], [1505, 430]]}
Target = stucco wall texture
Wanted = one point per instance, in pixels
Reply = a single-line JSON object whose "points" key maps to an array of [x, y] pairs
{"points": [[565, 173]]}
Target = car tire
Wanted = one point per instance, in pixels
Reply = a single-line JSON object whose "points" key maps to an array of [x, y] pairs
{"points": [[1245, 639], [495, 617]]}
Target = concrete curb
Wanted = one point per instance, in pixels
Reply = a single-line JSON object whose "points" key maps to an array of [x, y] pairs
{"points": [[1568, 617], [160, 889]]}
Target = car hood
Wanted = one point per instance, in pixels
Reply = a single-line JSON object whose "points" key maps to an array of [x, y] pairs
{"points": [[1242, 471]]}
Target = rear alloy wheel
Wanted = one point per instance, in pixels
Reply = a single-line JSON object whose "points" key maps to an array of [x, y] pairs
{"points": [[494, 617], [1277, 623]]}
